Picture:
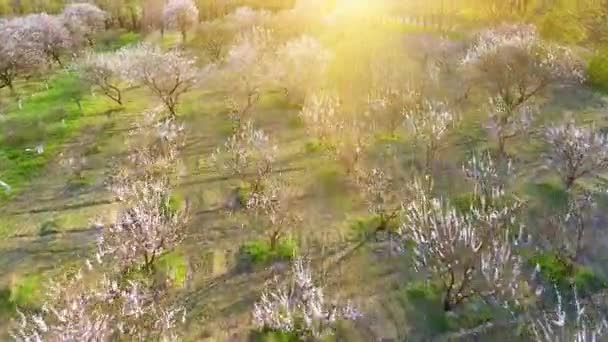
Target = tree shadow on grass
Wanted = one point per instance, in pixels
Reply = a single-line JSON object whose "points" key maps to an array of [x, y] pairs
{"points": [[64, 207]]}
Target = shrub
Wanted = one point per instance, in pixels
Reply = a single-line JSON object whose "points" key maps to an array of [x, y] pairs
{"points": [[174, 205], [424, 301], [553, 268], [587, 281], [597, 71], [173, 266], [114, 40], [464, 202], [425, 309], [259, 252], [564, 273], [389, 138], [48, 228], [6, 306], [243, 192], [364, 227], [26, 291], [473, 314], [316, 146], [286, 249], [268, 335], [550, 195], [368, 227]]}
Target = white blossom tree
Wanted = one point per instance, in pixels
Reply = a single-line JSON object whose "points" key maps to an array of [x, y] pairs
{"points": [[84, 20], [344, 135], [19, 54], [248, 68], [146, 227], [303, 63], [269, 205], [572, 225], [517, 67], [148, 223], [89, 307], [322, 116], [104, 70], [582, 324], [471, 254], [250, 155], [299, 307], [381, 193], [49, 34], [388, 104], [157, 140], [106, 303], [214, 37], [576, 151], [168, 74], [244, 18], [218, 36], [489, 175], [247, 154], [429, 123], [181, 15]]}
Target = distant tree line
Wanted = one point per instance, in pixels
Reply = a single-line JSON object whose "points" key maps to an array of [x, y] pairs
{"points": [[569, 21], [138, 14]]}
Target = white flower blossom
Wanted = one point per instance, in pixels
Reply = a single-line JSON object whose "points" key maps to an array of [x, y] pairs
{"points": [[300, 306]]}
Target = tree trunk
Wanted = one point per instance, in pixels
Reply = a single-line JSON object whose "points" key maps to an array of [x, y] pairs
{"points": [[501, 147], [569, 181], [8, 82], [428, 160], [580, 233], [57, 59], [172, 113], [121, 22], [447, 304], [113, 93], [134, 24], [274, 239]]}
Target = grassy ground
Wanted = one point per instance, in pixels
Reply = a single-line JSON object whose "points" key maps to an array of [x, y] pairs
{"points": [[45, 219], [46, 216]]}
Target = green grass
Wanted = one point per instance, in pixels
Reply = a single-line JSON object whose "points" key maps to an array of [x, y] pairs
{"points": [[273, 336], [26, 291], [424, 308], [6, 306], [259, 252], [48, 117], [52, 117], [174, 266], [329, 198], [114, 40], [597, 70], [363, 227], [558, 271], [550, 195]]}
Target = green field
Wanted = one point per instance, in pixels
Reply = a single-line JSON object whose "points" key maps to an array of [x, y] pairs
{"points": [[61, 141]]}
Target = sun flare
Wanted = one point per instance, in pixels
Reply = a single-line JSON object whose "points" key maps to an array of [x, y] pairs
{"points": [[303, 170]]}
